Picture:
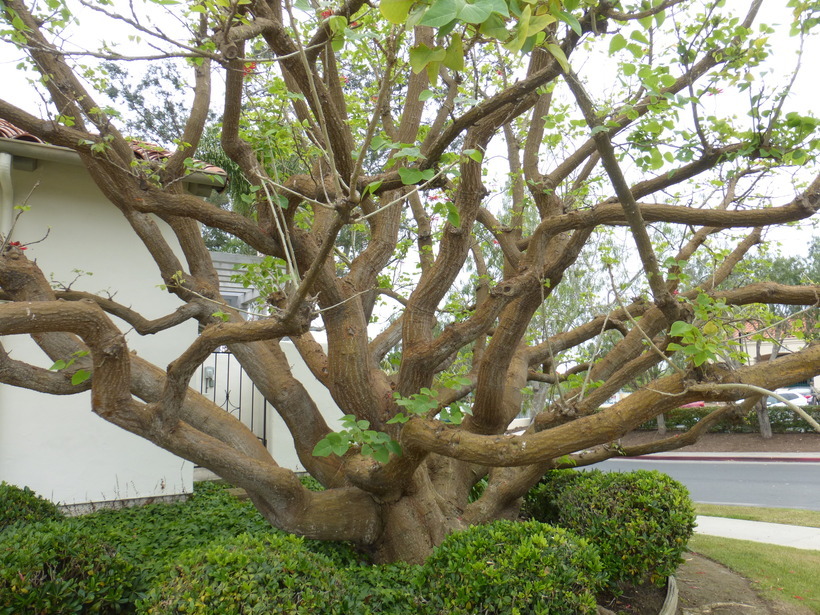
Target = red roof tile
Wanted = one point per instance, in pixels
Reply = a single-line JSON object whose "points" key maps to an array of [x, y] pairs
{"points": [[142, 150], [10, 131]]}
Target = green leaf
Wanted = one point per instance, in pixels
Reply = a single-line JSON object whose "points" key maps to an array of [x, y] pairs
{"points": [[617, 43], [337, 23], [570, 20], [426, 95], [637, 35], [495, 27], [381, 454], [440, 13], [322, 448], [80, 376], [421, 55], [394, 447], [399, 418], [454, 56], [373, 186], [559, 55], [453, 216], [341, 447], [474, 154], [521, 31], [58, 365], [395, 11], [477, 12], [409, 176], [679, 328], [415, 176]]}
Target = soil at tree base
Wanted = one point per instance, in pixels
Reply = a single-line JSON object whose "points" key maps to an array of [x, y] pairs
{"points": [[705, 586]]}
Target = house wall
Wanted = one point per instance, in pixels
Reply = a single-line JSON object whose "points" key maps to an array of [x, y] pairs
{"points": [[57, 445], [764, 349]]}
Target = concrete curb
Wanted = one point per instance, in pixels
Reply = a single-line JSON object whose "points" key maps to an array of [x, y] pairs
{"points": [[670, 605], [749, 457]]}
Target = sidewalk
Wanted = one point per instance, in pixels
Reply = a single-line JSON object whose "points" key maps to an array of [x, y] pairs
{"points": [[714, 456], [795, 536]]}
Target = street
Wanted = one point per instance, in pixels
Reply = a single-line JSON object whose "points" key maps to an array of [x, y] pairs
{"points": [[775, 484]]}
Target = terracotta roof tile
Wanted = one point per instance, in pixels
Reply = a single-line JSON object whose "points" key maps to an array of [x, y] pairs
{"points": [[10, 131], [144, 151]]}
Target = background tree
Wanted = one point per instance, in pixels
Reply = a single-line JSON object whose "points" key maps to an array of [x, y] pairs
{"points": [[500, 142]]}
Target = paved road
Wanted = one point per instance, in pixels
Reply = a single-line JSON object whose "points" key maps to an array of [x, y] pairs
{"points": [[777, 484]]}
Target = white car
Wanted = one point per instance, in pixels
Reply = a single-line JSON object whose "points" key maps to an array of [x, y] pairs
{"points": [[796, 398]]}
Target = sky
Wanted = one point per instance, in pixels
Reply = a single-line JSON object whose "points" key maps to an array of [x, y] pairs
{"points": [[805, 91]]}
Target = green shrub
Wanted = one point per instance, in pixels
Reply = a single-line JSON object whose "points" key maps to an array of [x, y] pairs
{"points": [[542, 501], [55, 567], [311, 483], [268, 574], [389, 589], [151, 536], [640, 521], [525, 567], [783, 420], [24, 506]]}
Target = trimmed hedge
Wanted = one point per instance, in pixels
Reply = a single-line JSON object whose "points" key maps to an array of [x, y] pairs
{"points": [[216, 554], [56, 567], [272, 574], [640, 521], [24, 506], [503, 567]]}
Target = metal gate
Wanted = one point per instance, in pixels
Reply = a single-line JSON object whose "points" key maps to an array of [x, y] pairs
{"points": [[225, 382]]}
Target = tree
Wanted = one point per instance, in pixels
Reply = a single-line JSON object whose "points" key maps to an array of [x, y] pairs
{"points": [[383, 129]]}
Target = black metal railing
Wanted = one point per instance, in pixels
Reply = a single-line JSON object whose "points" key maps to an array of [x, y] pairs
{"points": [[225, 382]]}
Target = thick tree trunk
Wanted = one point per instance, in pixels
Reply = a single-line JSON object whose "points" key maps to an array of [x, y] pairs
{"points": [[416, 523]]}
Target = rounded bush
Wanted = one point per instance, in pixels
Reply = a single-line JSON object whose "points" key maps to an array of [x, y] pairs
{"points": [[24, 506], [640, 521], [56, 567], [525, 567], [270, 574]]}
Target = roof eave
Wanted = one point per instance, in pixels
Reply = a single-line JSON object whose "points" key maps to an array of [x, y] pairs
{"points": [[64, 155]]}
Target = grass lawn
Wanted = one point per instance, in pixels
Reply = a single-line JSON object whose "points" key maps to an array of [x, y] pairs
{"points": [[789, 516], [779, 572]]}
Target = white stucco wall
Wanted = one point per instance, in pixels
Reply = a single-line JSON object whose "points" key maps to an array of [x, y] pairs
{"points": [[56, 445]]}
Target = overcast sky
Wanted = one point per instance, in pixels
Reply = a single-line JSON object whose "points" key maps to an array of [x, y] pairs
{"points": [[805, 93]]}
